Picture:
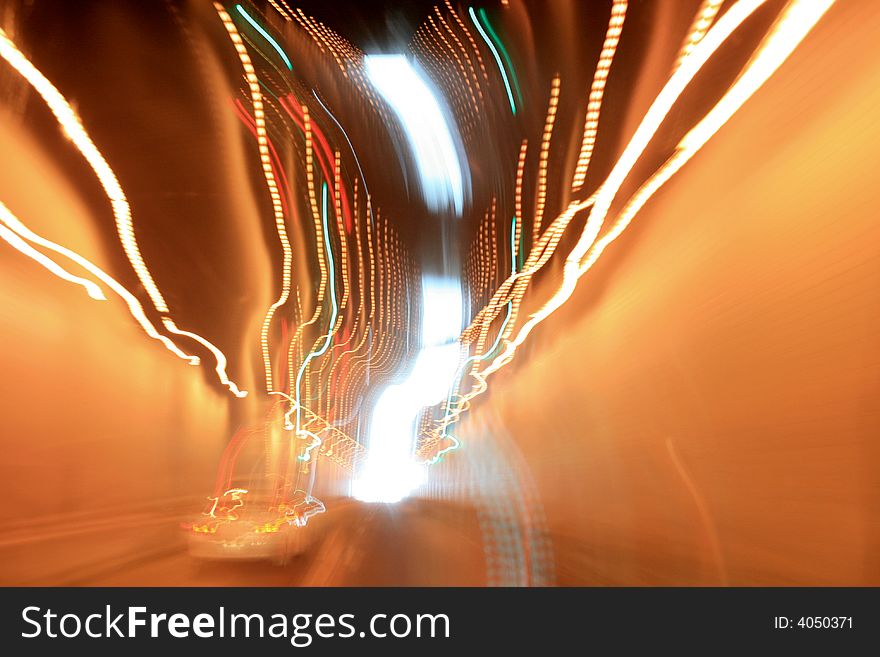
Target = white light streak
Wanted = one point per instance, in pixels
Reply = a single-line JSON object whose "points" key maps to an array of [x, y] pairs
{"points": [[392, 470], [427, 130]]}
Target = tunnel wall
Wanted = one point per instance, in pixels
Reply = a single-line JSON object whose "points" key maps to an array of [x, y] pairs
{"points": [[108, 440]]}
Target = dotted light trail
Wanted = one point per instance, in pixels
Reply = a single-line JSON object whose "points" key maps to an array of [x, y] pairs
{"points": [[328, 338], [796, 22], [597, 91], [269, 175]]}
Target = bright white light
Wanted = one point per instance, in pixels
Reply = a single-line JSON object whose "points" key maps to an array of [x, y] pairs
{"points": [[392, 471], [441, 311], [426, 128]]}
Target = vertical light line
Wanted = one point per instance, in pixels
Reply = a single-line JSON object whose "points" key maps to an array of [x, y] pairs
{"points": [[269, 175], [503, 50], [329, 337], [597, 92], [497, 58]]}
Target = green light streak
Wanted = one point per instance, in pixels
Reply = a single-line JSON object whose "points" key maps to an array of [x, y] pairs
{"points": [[497, 58], [266, 89], [503, 54], [265, 35]]}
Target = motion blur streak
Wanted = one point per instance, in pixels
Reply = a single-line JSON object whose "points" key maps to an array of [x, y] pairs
{"points": [[597, 91], [789, 31], [265, 35], [497, 57], [725, 26], [74, 129], [331, 327], [266, 162], [134, 306], [219, 356], [705, 15], [455, 407], [348, 141], [543, 160], [426, 129], [391, 470], [72, 126], [696, 405], [280, 10], [17, 243]]}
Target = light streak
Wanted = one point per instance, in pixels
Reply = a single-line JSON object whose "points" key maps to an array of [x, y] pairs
{"points": [[286, 7], [391, 471], [268, 174], [276, 160], [325, 156], [462, 48], [470, 38], [303, 20], [504, 54], [219, 356], [346, 290], [435, 57], [340, 229], [517, 194], [134, 306], [316, 217], [649, 125], [265, 35], [280, 10], [235, 495], [400, 403], [327, 339], [360, 321], [490, 273], [544, 158], [497, 58], [458, 62], [337, 49], [450, 416], [789, 31], [798, 20], [74, 129], [703, 20], [313, 28], [428, 132], [597, 91], [91, 288], [373, 291], [350, 145], [799, 17]]}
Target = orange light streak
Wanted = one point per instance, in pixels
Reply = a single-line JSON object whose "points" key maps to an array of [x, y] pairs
{"points": [[463, 50], [597, 91], [703, 20], [266, 162], [544, 158], [74, 129], [798, 20], [470, 39], [280, 10], [458, 62]]}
